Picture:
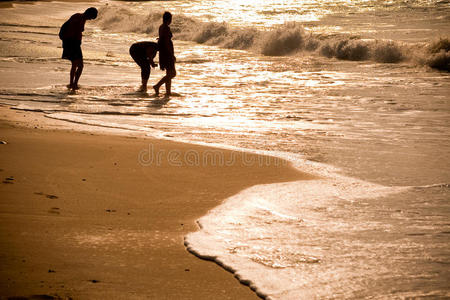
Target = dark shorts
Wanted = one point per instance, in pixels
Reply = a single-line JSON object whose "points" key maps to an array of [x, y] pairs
{"points": [[166, 62], [72, 50], [140, 57], [169, 67]]}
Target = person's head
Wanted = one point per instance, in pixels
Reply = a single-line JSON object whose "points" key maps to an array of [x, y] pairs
{"points": [[91, 13], [167, 18]]}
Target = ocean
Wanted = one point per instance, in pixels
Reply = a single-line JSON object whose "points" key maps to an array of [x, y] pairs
{"points": [[355, 92]]}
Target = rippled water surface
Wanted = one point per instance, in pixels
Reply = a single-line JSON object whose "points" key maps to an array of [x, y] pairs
{"points": [[350, 92]]}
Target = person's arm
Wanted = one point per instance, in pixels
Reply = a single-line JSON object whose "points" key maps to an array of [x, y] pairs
{"points": [[151, 53]]}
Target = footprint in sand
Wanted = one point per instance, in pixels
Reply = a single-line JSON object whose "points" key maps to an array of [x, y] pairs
{"points": [[54, 210], [46, 195], [8, 180]]}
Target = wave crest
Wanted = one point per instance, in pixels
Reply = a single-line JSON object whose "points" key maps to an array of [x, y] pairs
{"points": [[286, 39], [439, 57], [440, 61], [283, 40], [346, 50], [211, 32], [387, 52], [123, 20]]}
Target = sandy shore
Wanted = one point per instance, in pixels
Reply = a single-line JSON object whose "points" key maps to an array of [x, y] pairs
{"points": [[83, 217]]}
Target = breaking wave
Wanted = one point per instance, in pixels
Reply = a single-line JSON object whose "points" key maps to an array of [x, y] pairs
{"points": [[286, 39], [439, 55]]}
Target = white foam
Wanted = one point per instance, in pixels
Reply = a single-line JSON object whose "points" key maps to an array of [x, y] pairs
{"points": [[258, 233]]}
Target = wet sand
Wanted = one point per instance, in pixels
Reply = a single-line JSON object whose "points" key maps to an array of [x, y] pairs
{"points": [[82, 218]]}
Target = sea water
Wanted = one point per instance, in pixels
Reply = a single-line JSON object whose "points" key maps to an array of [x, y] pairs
{"points": [[355, 92]]}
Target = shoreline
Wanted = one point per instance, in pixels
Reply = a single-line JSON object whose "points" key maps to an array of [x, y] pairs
{"points": [[82, 217]]}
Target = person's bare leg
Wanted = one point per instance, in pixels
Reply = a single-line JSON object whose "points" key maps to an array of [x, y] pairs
{"points": [[170, 74], [144, 81], [168, 86], [78, 72], [72, 74], [143, 87], [158, 85], [145, 75]]}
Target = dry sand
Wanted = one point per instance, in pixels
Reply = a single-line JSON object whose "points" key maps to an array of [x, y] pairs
{"points": [[81, 218]]}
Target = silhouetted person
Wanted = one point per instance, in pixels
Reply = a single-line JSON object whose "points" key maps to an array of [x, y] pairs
{"points": [[71, 35], [166, 54], [143, 54]]}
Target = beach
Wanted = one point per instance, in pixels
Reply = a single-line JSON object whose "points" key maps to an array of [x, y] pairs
{"points": [[108, 191], [82, 219]]}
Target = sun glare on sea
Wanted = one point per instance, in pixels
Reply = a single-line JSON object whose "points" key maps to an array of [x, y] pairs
{"points": [[256, 13]]}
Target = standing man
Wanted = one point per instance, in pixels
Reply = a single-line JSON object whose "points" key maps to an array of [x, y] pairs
{"points": [[71, 34], [166, 54]]}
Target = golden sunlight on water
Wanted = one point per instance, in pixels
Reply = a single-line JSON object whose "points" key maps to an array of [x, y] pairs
{"points": [[382, 123]]}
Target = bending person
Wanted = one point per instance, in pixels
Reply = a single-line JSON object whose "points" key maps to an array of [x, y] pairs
{"points": [[166, 54], [71, 34], [143, 54]]}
